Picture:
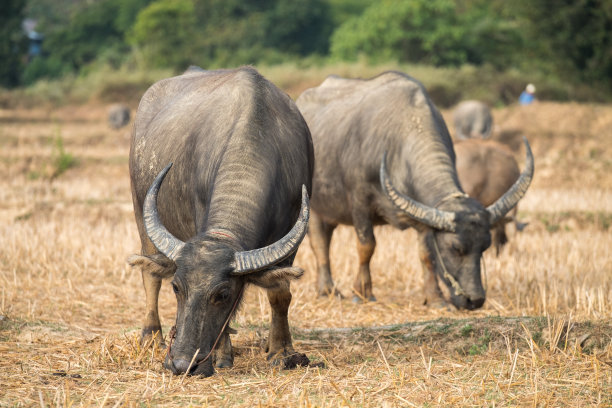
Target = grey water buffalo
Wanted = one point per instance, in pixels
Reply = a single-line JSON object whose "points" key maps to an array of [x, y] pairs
{"points": [[232, 211], [384, 156], [472, 119], [486, 170], [118, 116]]}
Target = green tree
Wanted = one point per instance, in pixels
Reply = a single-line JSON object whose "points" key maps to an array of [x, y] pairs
{"points": [[89, 31], [342, 10], [493, 33], [574, 36], [12, 42], [235, 32], [426, 31], [164, 31], [299, 26], [127, 11]]}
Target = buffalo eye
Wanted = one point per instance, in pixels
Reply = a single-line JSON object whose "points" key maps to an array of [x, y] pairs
{"points": [[220, 296], [175, 288], [458, 249]]}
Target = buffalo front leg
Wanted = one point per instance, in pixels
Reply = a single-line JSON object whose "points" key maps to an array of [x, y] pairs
{"points": [[151, 327], [279, 341], [320, 234], [499, 237], [153, 268], [431, 289], [366, 243], [224, 356]]}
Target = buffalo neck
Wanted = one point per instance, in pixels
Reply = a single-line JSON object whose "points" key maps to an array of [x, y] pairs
{"points": [[431, 169]]}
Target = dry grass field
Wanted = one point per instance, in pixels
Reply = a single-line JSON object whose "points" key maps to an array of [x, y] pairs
{"points": [[71, 309]]}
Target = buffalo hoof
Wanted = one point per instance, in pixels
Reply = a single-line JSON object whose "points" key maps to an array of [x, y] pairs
{"points": [[225, 363], [360, 299], [333, 292], [149, 336], [438, 304]]}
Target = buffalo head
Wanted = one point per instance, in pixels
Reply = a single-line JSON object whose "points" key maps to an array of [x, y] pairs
{"points": [[211, 273], [456, 232]]}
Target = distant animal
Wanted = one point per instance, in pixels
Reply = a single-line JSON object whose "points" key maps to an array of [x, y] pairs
{"points": [[472, 119], [486, 170], [232, 212], [361, 128], [118, 116]]}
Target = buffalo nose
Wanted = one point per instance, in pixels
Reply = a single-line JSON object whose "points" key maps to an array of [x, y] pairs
{"points": [[475, 303], [180, 366]]}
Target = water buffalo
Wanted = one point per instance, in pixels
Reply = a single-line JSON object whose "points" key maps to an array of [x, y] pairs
{"points": [[472, 119], [353, 123], [233, 210], [118, 116], [486, 170]]}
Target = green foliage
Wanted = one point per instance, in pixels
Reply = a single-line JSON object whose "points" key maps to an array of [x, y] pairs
{"points": [[573, 36], [62, 160], [164, 31], [51, 67], [92, 33], [342, 10], [466, 330], [426, 31], [481, 345], [299, 26], [88, 32], [127, 11], [564, 45], [492, 33], [53, 15], [234, 32], [12, 42]]}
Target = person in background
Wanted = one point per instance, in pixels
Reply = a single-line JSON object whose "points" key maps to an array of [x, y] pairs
{"points": [[528, 95]]}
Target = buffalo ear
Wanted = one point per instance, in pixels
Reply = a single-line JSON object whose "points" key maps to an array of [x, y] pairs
{"points": [[157, 265], [275, 277]]}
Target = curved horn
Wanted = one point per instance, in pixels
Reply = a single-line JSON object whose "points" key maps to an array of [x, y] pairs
{"points": [[438, 219], [505, 203], [258, 259], [164, 241]]}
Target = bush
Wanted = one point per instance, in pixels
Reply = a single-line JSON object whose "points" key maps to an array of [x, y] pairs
{"points": [[424, 31], [44, 68], [164, 31], [12, 42]]}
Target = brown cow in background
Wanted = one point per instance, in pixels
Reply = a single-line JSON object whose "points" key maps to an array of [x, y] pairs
{"points": [[486, 170]]}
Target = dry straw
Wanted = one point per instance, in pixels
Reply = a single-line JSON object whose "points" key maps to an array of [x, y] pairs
{"points": [[71, 309]]}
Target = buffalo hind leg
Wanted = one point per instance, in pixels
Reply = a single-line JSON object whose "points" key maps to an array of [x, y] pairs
{"points": [[366, 243], [320, 234], [154, 269]]}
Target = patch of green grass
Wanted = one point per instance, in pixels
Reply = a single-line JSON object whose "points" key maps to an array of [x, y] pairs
{"points": [[62, 160], [33, 175], [537, 338], [466, 330], [482, 345], [24, 217]]}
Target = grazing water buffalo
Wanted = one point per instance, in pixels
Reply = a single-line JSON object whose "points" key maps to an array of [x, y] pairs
{"points": [[486, 170], [118, 116], [353, 123], [233, 210], [472, 119]]}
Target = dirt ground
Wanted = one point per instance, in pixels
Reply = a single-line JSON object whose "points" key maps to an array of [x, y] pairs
{"points": [[71, 309]]}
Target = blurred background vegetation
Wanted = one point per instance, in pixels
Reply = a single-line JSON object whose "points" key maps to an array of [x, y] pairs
{"points": [[485, 49]]}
